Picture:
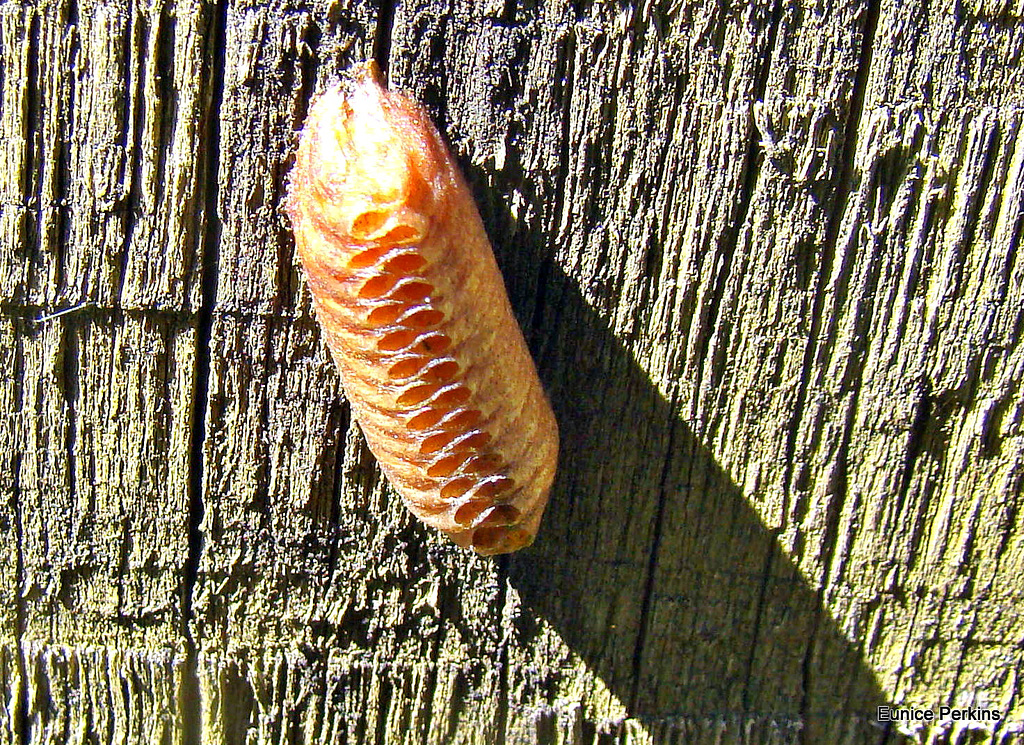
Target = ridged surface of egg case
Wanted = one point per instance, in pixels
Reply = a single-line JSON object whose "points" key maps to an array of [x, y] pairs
{"points": [[414, 310]]}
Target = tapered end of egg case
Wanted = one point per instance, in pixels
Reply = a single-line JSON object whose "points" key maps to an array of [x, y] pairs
{"points": [[492, 539], [369, 164]]}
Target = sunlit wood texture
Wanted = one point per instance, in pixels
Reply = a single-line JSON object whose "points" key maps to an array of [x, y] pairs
{"points": [[767, 257]]}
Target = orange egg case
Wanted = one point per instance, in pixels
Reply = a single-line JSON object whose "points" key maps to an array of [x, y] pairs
{"points": [[413, 308]]}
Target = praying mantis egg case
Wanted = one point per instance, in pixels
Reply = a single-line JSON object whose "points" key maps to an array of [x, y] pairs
{"points": [[413, 308]]}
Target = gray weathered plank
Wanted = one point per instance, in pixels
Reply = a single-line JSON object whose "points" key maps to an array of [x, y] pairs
{"points": [[104, 111], [765, 255]]}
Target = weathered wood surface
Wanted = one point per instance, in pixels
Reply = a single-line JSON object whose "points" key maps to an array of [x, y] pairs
{"points": [[766, 255]]}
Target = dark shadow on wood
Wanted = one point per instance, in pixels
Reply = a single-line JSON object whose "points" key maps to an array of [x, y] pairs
{"points": [[651, 564], [727, 626]]}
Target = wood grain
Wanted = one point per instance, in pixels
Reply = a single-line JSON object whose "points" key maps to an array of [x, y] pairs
{"points": [[766, 256]]}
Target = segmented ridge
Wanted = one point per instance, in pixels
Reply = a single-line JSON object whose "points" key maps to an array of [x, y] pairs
{"points": [[453, 446]]}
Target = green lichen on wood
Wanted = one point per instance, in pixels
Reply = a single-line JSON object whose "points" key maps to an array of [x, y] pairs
{"points": [[765, 257]]}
